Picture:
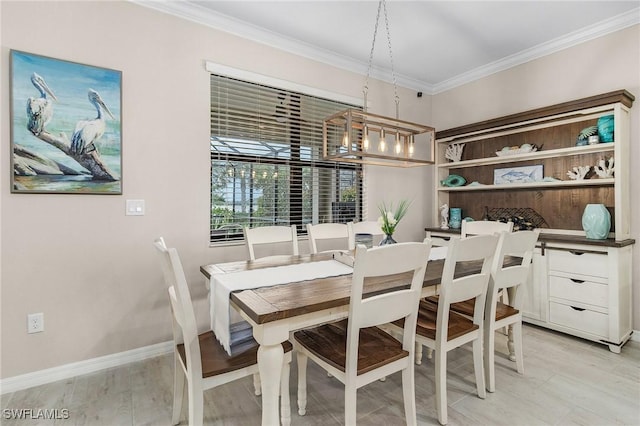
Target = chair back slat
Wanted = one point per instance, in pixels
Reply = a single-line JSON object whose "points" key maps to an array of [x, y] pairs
{"points": [[364, 227], [466, 288], [383, 310], [272, 236], [392, 305], [483, 227], [337, 232]]}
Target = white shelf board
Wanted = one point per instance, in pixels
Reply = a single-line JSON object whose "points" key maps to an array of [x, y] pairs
{"points": [[563, 152], [531, 185]]}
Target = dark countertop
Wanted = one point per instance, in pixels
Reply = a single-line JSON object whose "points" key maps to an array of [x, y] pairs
{"points": [[559, 238]]}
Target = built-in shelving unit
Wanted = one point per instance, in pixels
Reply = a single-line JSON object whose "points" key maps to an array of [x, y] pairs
{"points": [[578, 286], [554, 131]]}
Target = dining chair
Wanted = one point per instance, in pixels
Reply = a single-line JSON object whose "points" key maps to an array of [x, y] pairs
{"points": [[278, 239], [498, 314], [329, 236], [199, 358], [441, 329], [356, 351], [365, 227], [484, 227]]}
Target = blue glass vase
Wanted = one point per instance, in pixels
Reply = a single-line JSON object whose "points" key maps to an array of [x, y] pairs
{"points": [[455, 217], [596, 221], [605, 128], [388, 239]]}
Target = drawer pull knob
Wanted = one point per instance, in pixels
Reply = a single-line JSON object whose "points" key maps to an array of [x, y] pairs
{"points": [[577, 253], [576, 281], [577, 309]]}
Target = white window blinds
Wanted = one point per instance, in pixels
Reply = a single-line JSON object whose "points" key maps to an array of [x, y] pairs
{"points": [[266, 161]]}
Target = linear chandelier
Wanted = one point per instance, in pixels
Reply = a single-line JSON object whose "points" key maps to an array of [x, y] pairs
{"points": [[357, 136]]}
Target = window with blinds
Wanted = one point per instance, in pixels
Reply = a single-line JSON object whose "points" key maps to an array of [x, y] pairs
{"points": [[266, 161]]}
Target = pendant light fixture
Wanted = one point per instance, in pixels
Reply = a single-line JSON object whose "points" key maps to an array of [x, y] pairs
{"points": [[357, 136]]}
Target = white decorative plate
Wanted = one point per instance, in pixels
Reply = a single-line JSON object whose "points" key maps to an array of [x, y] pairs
{"points": [[509, 152]]}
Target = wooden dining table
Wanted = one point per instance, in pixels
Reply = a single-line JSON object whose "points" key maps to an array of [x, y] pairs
{"points": [[275, 311]]}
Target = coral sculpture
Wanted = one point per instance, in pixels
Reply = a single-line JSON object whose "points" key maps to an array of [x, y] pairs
{"points": [[578, 173], [604, 169], [454, 151]]}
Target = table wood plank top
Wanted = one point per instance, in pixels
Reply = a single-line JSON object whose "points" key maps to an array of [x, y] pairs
{"points": [[267, 304]]}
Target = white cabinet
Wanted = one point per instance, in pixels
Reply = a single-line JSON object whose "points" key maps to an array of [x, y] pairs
{"points": [[588, 290]]}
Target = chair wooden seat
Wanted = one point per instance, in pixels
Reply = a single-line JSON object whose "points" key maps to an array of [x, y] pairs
{"points": [[216, 361], [458, 325], [466, 308], [329, 342]]}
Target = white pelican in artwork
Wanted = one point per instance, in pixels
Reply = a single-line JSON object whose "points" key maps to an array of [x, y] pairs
{"points": [[89, 131], [39, 110]]}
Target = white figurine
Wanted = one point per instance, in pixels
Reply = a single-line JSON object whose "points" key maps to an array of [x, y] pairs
{"points": [[444, 213], [454, 151], [578, 173], [604, 169]]}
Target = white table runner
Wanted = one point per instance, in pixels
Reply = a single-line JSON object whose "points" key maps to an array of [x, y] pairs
{"points": [[222, 285], [438, 253]]}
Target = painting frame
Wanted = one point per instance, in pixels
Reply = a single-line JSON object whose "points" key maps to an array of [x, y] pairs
{"points": [[518, 175], [65, 126]]}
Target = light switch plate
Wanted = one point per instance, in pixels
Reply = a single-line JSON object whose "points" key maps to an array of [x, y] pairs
{"points": [[135, 208]]}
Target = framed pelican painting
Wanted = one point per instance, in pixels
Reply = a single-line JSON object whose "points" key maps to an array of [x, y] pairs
{"points": [[66, 126]]}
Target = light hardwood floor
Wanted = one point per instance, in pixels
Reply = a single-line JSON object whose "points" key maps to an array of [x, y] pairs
{"points": [[567, 381]]}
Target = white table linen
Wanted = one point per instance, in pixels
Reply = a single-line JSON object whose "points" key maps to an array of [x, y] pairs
{"points": [[438, 253], [223, 284]]}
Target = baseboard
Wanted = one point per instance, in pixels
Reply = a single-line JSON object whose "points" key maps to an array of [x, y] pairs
{"points": [[635, 336], [36, 378]]}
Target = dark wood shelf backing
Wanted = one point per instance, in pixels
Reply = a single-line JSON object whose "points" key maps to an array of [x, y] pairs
{"points": [[561, 208]]}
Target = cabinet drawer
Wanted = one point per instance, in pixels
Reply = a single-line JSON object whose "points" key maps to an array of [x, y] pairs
{"points": [[579, 263], [584, 292], [583, 320]]}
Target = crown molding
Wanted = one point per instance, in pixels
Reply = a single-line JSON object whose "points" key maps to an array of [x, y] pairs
{"points": [[575, 38], [204, 16]]}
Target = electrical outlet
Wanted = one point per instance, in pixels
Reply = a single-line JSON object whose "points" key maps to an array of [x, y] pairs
{"points": [[35, 323]]}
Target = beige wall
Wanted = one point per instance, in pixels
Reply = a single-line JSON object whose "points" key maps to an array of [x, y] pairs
{"points": [[77, 258], [92, 270]]}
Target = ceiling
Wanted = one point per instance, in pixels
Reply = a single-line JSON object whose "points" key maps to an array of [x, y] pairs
{"points": [[435, 45]]}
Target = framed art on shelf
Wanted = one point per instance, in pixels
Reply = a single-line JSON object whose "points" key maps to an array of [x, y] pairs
{"points": [[524, 174], [66, 126]]}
